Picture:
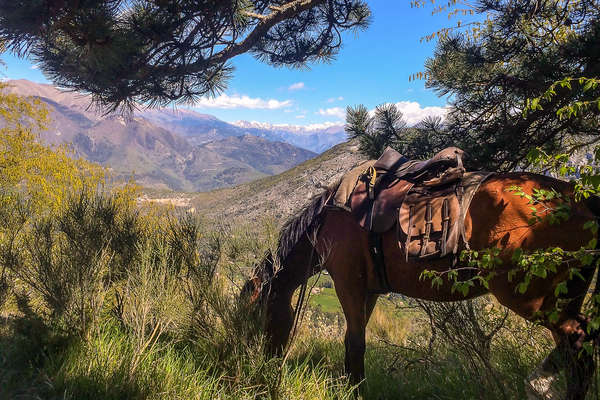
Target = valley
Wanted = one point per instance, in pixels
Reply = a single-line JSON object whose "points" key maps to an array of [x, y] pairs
{"points": [[179, 150]]}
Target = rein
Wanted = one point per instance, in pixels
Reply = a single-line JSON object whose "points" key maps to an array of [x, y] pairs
{"points": [[300, 305]]}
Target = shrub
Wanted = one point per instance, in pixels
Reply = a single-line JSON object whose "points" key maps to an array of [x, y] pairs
{"points": [[67, 258]]}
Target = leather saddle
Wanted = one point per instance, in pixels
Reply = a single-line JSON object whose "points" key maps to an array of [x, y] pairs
{"points": [[382, 188], [426, 200]]}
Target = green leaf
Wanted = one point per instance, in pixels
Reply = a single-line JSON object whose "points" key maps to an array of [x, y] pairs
{"points": [[592, 226], [517, 254], [561, 288], [542, 273], [588, 348]]}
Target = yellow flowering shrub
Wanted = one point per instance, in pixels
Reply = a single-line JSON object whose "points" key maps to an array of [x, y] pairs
{"points": [[41, 173]]}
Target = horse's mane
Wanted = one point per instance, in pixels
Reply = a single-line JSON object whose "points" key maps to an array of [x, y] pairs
{"points": [[290, 234], [302, 222]]}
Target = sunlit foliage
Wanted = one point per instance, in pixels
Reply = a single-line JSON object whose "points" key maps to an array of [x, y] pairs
{"points": [[42, 174]]}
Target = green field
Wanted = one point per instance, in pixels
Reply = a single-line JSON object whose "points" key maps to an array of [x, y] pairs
{"points": [[326, 301]]}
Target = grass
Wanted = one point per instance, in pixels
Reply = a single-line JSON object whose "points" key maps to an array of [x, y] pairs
{"points": [[161, 319], [323, 298], [101, 368], [326, 301]]}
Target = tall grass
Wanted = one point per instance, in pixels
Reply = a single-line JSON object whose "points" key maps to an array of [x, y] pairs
{"points": [[108, 302], [104, 301]]}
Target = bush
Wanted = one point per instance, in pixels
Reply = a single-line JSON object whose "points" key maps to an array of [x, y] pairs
{"points": [[66, 259]]}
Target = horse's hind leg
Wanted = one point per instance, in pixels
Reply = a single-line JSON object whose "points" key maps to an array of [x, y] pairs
{"points": [[579, 364], [570, 335], [569, 355], [539, 382]]}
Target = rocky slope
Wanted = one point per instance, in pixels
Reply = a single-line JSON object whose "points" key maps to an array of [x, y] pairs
{"points": [[279, 196]]}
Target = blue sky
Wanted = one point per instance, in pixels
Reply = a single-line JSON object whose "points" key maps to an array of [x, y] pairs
{"points": [[372, 68]]}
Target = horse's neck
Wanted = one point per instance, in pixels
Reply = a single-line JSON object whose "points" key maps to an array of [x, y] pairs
{"points": [[299, 265]]}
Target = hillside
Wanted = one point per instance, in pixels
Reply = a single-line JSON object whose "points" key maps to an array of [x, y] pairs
{"points": [[279, 196], [158, 157]]}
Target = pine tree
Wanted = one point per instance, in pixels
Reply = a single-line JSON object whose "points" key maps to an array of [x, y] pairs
{"points": [[525, 76], [375, 132], [162, 51], [494, 71]]}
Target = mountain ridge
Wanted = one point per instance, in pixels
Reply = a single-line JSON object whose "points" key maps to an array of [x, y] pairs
{"points": [[278, 196], [157, 157]]}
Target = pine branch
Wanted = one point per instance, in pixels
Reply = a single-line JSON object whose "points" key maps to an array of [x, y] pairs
{"points": [[281, 13]]}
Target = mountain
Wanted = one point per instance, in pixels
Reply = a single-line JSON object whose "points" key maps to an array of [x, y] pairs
{"points": [[196, 127], [266, 156], [278, 196], [317, 137], [158, 157], [202, 128]]}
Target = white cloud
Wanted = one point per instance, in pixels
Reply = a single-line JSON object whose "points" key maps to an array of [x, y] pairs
{"points": [[300, 116], [334, 99], [236, 101], [414, 113], [333, 112], [35, 66], [296, 86]]}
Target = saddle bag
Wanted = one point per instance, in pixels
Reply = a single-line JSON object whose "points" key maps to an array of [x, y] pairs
{"points": [[431, 219]]}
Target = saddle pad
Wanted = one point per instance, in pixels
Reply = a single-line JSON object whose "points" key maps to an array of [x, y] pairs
{"points": [[349, 180], [413, 221]]}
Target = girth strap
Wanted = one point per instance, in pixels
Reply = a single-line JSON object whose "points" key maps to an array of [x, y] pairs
{"points": [[376, 250]]}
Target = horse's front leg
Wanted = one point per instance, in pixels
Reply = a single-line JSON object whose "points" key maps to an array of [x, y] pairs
{"points": [[357, 306]]}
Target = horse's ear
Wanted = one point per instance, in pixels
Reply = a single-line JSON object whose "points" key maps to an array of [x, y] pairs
{"points": [[263, 273]]}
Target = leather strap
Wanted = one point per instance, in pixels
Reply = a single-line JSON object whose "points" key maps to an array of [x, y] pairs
{"points": [[445, 224], [428, 224], [376, 250], [411, 211]]}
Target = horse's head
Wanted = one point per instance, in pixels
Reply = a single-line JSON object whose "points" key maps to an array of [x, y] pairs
{"points": [[256, 289], [268, 305]]}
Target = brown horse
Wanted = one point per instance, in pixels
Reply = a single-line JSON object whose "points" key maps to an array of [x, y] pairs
{"points": [[326, 237]]}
